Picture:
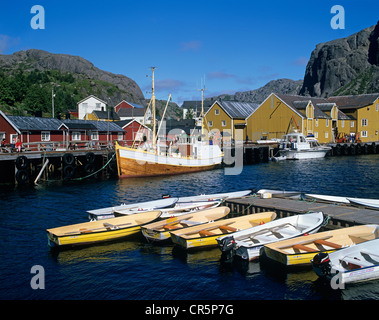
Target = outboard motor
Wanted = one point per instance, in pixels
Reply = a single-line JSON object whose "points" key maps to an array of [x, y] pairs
{"points": [[321, 264], [226, 246]]}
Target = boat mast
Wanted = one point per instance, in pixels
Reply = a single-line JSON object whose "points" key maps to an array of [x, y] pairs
{"points": [[153, 108]]}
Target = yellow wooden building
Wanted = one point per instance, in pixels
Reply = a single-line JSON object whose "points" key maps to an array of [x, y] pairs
{"points": [[229, 118], [280, 114], [363, 111], [98, 115]]}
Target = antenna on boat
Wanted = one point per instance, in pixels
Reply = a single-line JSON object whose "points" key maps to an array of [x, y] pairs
{"points": [[202, 104]]}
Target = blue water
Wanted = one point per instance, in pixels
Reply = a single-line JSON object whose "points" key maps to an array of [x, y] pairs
{"points": [[134, 269]]}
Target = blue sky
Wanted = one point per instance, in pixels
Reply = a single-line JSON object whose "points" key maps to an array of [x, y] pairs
{"points": [[235, 45]]}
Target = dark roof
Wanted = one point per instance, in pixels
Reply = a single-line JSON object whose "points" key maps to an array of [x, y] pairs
{"points": [[131, 112], [354, 101], [79, 125], [196, 106], [237, 109], [35, 123], [111, 115]]}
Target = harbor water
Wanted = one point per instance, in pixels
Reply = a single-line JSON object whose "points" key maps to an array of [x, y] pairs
{"points": [[136, 270]]}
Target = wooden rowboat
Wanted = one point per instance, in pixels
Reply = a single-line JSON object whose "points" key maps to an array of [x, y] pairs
{"points": [[185, 208], [248, 243], [205, 235], [125, 209], [100, 230], [352, 264], [160, 230], [215, 196], [301, 250]]}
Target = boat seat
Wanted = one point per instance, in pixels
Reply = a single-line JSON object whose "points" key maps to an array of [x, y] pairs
{"points": [[170, 227], [304, 248], [227, 228], [109, 226], [356, 262], [84, 230], [206, 233], [372, 256], [188, 222], [328, 243]]}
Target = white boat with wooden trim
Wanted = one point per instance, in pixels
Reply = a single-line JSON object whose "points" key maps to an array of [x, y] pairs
{"points": [[204, 236], [370, 203], [100, 230], [301, 250], [126, 209], [189, 207], [248, 243], [192, 154], [353, 264], [160, 230], [296, 146], [215, 196]]}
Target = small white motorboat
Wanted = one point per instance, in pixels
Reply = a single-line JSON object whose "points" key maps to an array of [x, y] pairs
{"points": [[215, 196], [248, 243], [124, 209], [296, 146], [184, 208], [332, 199], [353, 264], [371, 203]]}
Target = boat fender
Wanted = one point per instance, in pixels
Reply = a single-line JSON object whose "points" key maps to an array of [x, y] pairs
{"points": [[89, 168], [90, 157], [321, 261], [68, 158], [22, 176], [22, 162], [166, 196], [68, 171]]}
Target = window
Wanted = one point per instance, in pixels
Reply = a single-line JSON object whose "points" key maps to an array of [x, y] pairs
{"points": [[377, 107], [120, 136], [95, 135], [316, 134], [223, 123], [326, 135], [76, 136], [316, 122], [327, 123], [217, 112], [364, 122], [14, 138], [364, 134], [210, 123], [2, 136], [351, 124], [45, 136], [342, 123]]}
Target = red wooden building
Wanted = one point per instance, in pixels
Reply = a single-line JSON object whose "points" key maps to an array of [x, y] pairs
{"points": [[134, 131]]}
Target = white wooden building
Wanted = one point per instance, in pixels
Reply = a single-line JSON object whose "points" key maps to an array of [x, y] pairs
{"points": [[90, 104]]}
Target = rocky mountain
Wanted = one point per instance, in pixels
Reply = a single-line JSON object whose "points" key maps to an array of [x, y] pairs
{"points": [[344, 66], [107, 86], [283, 86]]}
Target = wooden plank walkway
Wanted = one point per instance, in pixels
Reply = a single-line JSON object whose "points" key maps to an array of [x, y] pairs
{"points": [[341, 215]]}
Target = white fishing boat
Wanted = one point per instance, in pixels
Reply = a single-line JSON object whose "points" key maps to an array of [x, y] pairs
{"points": [[332, 199], [296, 146], [184, 208], [371, 203], [190, 154], [278, 193], [248, 243], [353, 264], [126, 209], [215, 196]]}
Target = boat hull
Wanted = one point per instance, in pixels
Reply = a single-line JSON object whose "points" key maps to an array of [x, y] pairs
{"points": [[299, 155], [133, 163]]}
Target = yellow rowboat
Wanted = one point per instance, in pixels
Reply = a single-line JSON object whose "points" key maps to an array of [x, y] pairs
{"points": [[205, 235], [301, 250], [160, 231], [100, 230]]}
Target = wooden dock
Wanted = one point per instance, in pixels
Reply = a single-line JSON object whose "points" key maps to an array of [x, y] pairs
{"points": [[340, 215]]}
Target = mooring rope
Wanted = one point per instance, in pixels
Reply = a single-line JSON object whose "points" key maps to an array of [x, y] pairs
{"points": [[93, 173]]}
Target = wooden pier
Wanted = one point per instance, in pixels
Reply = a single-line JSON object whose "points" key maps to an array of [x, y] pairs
{"points": [[340, 215]]}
